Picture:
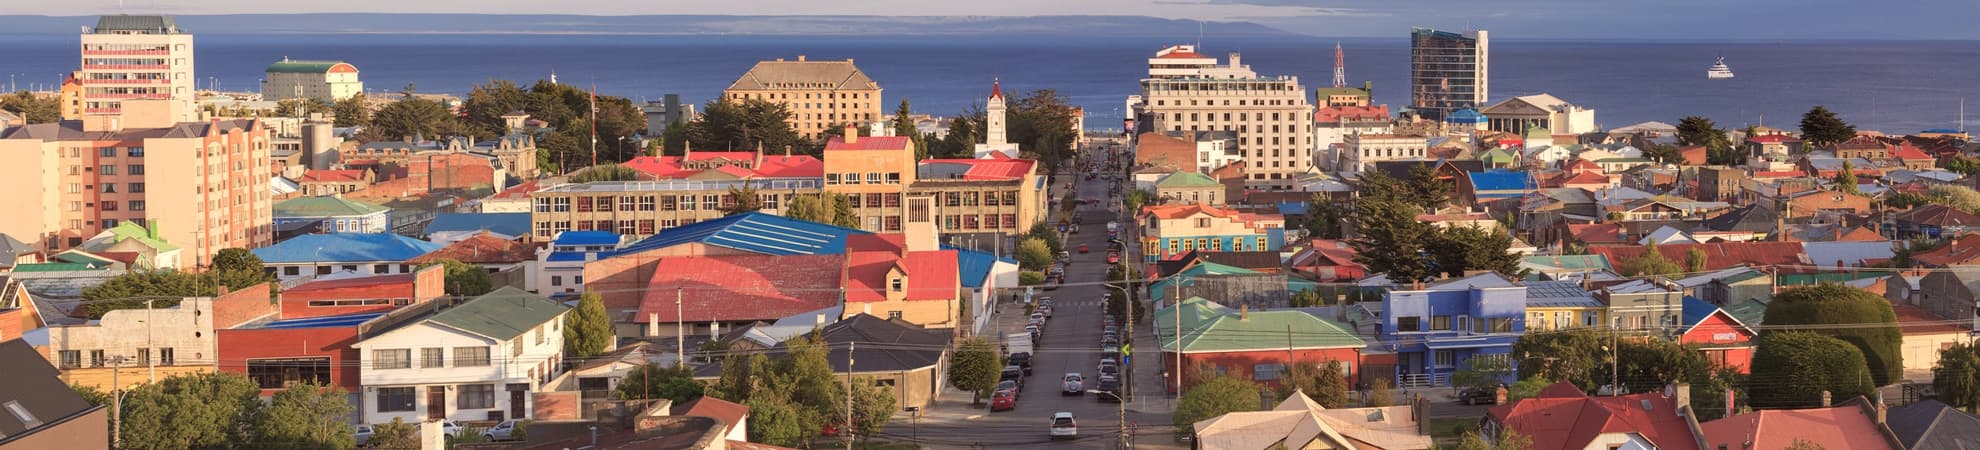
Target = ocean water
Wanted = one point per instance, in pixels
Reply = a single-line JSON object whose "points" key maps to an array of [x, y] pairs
{"points": [[1895, 86]]}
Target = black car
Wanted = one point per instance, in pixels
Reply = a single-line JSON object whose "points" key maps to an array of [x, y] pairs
{"points": [[1014, 374], [1478, 396], [1020, 360], [1109, 390]]}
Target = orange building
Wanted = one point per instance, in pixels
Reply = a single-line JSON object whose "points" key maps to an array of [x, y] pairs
{"points": [[873, 172]]}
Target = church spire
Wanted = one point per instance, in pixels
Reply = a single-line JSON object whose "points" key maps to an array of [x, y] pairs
{"points": [[996, 88]]}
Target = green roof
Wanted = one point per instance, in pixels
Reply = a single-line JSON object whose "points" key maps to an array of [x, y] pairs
{"points": [[1752, 311], [504, 314], [1566, 262], [1210, 327], [55, 267], [325, 207], [1801, 279], [1497, 155], [131, 230], [1186, 179], [296, 66]]}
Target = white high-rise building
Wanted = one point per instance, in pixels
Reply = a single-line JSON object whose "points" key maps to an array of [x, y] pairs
{"points": [[994, 139], [1270, 116], [137, 58]]}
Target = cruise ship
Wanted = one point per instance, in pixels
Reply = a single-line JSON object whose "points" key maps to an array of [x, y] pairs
{"points": [[1719, 70]]}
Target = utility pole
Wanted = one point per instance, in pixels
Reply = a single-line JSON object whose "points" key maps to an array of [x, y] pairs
{"points": [[116, 404], [848, 429], [680, 330]]}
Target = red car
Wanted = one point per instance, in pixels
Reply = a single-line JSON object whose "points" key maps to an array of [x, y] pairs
{"points": [[1082, 248], [1113, 258], [1003, 401]]}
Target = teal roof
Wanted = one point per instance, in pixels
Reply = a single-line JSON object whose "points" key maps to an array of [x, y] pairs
{"points": [[1186, 179], [56, 267], [504, 314], [1749, 311], [1566, 262], [1800, 279], [131, 230], [1210, 327], [299, 66], [1497, 155], [325, 207]]}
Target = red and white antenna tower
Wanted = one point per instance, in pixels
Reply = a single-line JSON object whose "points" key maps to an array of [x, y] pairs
{"points": [[1340, 67]]}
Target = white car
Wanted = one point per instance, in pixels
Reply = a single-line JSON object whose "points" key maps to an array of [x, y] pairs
{"points": [[1075, 384], [501, 431], [450, 428], [1063, 426]]}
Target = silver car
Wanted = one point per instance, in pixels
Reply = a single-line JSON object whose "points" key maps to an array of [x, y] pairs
{"points": [[1075, 384]]}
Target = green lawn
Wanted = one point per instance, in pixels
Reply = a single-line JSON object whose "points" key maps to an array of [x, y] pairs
{"points": [[1451, 428]]}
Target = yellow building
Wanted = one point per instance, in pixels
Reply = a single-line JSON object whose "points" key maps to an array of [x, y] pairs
{"points": [[874, 173], [904, 276], [1561, 305], [997, 195], [821, 95]]}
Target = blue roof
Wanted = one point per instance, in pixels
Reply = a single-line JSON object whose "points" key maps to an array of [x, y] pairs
{"points": [[974, 266], [754, 232], [1292, 208], [348, 320], [1466, 115], [345, 247], [1696, 311], [507, 224], [575, 237], [568, 256], [1941, 130], [1500, 180]]}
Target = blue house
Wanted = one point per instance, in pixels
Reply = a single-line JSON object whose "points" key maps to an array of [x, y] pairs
{"points": [[1442, 329], [560, 269]]}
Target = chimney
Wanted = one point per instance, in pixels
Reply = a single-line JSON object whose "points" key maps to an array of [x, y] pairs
{"points": [[1419, 410], [852, 133], [1825, 399], [1683, 396], [1244, 312], [1883, 410], [652, 324]]}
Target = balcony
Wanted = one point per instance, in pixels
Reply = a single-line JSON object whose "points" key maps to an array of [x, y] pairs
{"points": [[160, 96], [127, 67], [159, 52], [125, 82]]}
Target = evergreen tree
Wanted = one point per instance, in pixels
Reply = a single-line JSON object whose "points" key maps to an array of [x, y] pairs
{"points": [[1458, 249], [306, 416], [746, 124], [1695, 260], [1956, 377], [976, 367], [463, 279], [743, 199], [653, 381], [1214, 397], [395, 435], [33, 108], [776, 422], [1651, 262], [588, 328], [1321, 382], [1822, 129], [351, 112], [1798, 366], [205, 410], [1391, 240], [1860, 318], [1846, 179]]}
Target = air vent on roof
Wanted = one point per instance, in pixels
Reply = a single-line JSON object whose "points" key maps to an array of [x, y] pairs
{"points": [[1646, 404]]}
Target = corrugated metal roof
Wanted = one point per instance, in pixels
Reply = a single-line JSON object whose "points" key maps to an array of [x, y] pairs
{"points": [[325, 207], [754, 232], [509, 224], [1210, 327], [1501, 180], [345, 247], [504, 314]]}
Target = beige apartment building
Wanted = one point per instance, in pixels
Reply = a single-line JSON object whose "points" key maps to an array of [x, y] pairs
{"points": [[328, 81], [136, 58], [821, 95], [204, 183], [1364, 150], [638, 209], [873, 172], [1273, 121]]}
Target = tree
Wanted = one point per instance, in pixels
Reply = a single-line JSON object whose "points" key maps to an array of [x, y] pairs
{"points": [[301, 107], [163, 288], [1425, 190], [1526, 388], [738, 378], [1379, 394], [1457, 249], [1846, 179], [306, 416], [1031, 278], [1822, 129], [1033, 254], [1391, 241], [904, 126], [1650, 263], [827, 208], [351, 112], [1956, 376], [1045, 233], [976, 367], [237, 259], [413, 118], [1695, 260], [1323, 383], [463, 279], [587, 329], [959, 142], [33, 108], [395, 435], [1324, 217], [1804, 444], [1215, 397], [653, 381], [90, 394], [1963, 165], [1799, 365], [1861, 318], [775, 422], [606, 172], [487, 103], [1508, 440], [205, 410], [1697, 130], [1137, 198], [746, 123], [1959, 197], [1571, 355], [872, 407], [1482, 373], [1041, 122], [743, 199], [1664, 154]]}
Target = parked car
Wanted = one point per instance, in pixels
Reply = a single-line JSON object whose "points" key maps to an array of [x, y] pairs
{"points": [[1107, 390], [1074, 384], [1113, 258], [1003, 401], [1013, 373], [1477, 396], [1007, 385], [501, 431], [363, 434], [1063, 426], [1046, 310], [1038, 317]]}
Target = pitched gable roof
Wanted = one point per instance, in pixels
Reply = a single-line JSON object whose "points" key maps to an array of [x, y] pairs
{"points": [[501, 315], [345, 247], [740, 288], [1930, 424], [754, 232], [832, 75], [480, 249], [1561, 417], [36, 387], [1844, 426]]}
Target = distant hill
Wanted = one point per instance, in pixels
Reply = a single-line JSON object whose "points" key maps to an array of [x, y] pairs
{"points": [[1121, 26]]}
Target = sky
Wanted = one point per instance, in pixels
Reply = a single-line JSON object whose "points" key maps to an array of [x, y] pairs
{"points": [[1520, 19]]}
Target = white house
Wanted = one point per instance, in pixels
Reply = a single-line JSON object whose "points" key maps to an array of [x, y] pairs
{"points": [[560, 271], [478, 360]]}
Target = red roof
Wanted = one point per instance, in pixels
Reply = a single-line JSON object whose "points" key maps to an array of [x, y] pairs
{"points": [[1338, 113], [999, 169], [1962, 251], [326, 175], [340, 283], [741, 288], [1595, 233], [519, 192], [1765, 174], [1913, 320], [1562, 417], [482, 248], [1586, 179], [996, 88], [1907, 151], [869, 143], [1772, 138], [1847, 426], [1718, 255], [1181, 211], [772, 166], [730, 413], [1181, 54], [1694, 155], [1861, 234], [931, 275]]}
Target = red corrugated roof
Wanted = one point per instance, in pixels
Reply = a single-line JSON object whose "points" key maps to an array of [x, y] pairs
{"points": [[1179, 211], [730, 413], [990, 169], [1562, 417], [1718, 255], [1914, 320], [1847, 426], [839, 143], [931, 275], [741, 288], [1179, 54], [1962, 251], [1595, 233], [1338, 113], [482, 248]]}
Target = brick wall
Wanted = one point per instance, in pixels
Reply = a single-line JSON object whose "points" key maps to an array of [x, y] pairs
{"points": [[238, 346], [243, 305], [558, 406], [430, 283]]}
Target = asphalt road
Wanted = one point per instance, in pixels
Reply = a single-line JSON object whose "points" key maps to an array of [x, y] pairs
{"points": [[1071, 343]]}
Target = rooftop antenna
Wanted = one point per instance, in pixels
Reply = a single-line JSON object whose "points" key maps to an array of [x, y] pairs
{"points": [[1340, 69], [1199, 35], [1962, 114]]}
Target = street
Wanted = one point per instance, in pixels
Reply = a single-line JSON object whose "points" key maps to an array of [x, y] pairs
{"points": [[1071, 343]]}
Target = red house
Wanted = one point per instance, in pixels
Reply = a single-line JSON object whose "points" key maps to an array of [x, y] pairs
{"points": [[1250, 345], [276, 354], [1328, 260], [365, 294], [1561, 417], [1723, 339]]}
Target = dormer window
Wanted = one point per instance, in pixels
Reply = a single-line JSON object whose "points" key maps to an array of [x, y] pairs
{"points": [[896, 284]]}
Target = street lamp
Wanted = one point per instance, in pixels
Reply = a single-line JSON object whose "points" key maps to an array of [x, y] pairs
{"points": [[916, 412], [1126, 439]]}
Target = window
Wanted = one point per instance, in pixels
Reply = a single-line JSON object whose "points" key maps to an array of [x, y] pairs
{"points": [[1446, 358], [432, 357], [137, 188], [96, 358], [893, 178], [470, 356], [71, 359], [1440, 323], [893, 315], [556, 280], [143, 355], [831, 178], [1266, 372], [135, 151], [282, 373], [584, 204], [135, 169], [893, 223], [381, 268], [1203, 223], [560, 204], [873, 178], [851, 178], [21, 413], [1590, 319], [1464, 323], [605, 204], [165, 356], [1502, 325], [539, 335], [398, 358], [1409, 324], [475, 396], [106, 152], [515, 346], [395, 399], [109, 188], [711, 202]]}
